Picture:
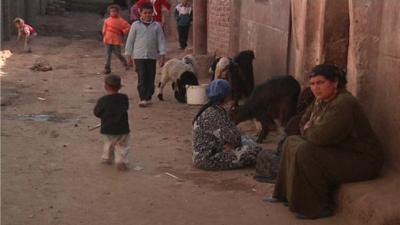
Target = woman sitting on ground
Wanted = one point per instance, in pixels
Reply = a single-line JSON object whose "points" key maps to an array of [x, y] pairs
{"points": [[337, 145], [217, 143]]}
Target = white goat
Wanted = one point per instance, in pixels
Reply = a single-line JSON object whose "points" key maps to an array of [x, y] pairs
{"points": [[173, 69], [221, 68], [190, 59]]}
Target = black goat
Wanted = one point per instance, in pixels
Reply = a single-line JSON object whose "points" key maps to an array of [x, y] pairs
{"points": [[276, 98], [238, 71], [245, 62], [186, 78]]}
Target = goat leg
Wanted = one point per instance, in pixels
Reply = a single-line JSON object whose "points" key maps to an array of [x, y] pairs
{"points": [[287, 110], [161, 86], [160, 94], [265, 122]]}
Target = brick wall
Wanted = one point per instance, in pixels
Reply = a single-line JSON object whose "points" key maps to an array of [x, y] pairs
{"points": [[219, 25]]}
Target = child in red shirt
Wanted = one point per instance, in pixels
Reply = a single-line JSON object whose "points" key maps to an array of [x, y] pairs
{"points": [[113, 29], [25, 33]]}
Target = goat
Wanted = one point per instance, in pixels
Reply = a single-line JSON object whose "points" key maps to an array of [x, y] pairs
{"points": [[276, 98], [221, 68], [186, 78], [238, 71], [245, 62], [172, 71], [190, 60]]}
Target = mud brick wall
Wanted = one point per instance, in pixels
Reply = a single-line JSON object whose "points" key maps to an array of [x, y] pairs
{"points": [[219, 22]]}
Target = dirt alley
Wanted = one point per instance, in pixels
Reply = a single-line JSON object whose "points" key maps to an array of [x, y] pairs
{"points": [[51, 171]]}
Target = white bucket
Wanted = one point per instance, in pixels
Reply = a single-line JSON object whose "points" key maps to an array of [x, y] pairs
{"points": [[196, 95]]}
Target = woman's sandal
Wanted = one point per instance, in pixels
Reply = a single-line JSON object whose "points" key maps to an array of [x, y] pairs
{"points": [[276, 200], [325, 213]]}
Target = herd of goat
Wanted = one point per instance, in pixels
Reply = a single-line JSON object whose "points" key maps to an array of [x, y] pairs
{"points": [[274, 99]]}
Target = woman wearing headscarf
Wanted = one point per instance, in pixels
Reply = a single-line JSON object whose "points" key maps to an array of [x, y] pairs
{"points": [[337, 145], [217, 143]]}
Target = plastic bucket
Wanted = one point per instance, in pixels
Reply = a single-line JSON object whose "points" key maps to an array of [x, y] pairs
{"points": [[196, 95]]}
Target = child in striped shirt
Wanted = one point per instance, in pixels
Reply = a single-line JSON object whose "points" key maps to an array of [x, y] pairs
{"points": [[25, 33]]}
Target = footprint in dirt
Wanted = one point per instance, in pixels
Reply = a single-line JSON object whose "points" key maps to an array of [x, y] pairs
{"points": [[54, 134]]}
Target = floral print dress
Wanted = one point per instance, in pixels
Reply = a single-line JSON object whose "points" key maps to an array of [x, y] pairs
{"points": [[211, 131]]}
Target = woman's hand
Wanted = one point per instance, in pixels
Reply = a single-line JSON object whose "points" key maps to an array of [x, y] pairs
{"points": [[307, 125], [228, 147]]}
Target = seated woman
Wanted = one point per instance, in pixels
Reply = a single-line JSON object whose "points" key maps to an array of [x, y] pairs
{"points": [[337, 145], [217, 143]]}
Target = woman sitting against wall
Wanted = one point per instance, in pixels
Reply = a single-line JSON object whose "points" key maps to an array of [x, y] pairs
{"points": [[337, 145], [217, 143]]}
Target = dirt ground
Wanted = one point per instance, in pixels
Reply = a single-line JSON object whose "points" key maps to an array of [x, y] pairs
{"points": [[50, 165]]}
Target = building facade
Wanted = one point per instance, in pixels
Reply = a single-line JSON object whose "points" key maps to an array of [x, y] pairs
{"points": [[292, 36]]}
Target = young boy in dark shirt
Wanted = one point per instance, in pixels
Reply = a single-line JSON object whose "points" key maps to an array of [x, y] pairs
{"points": [[112, 109]]}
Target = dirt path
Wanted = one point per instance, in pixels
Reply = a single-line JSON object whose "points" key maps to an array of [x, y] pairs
{"points": [[51, 172]]}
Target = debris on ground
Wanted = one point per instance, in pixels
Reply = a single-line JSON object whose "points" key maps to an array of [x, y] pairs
{"points": [[41, 118], [171, 175], [41, 65], [138, 168]]}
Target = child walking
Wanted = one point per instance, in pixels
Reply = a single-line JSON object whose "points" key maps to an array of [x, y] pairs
{"points": [[114, 28], [25, 33], [158, 6], [112, 109], [183, 16], [145, 43]]}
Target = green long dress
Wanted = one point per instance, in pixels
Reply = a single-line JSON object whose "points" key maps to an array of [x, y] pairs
{"points": [[339, 147]]}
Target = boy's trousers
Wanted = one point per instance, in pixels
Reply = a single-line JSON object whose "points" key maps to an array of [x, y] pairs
{"points": [[183, 33], [116, 147], [116, 49], [146, 70]]}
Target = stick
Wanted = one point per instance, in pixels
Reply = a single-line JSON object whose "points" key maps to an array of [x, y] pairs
{"points": [[171, 175], [95, 127]]}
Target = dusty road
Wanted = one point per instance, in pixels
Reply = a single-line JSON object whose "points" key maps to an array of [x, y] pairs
{"points": [[51, 171]]}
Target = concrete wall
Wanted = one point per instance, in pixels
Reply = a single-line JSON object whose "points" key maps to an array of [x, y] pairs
{"points": [[373, 68], [336, 32], [264, 28], [260, 25], [320, 34]]}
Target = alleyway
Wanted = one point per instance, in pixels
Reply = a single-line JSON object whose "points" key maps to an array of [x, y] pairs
{"points": [[51, 172]]}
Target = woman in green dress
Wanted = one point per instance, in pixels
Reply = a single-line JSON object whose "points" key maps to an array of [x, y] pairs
{"points": [[337, 145]]}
